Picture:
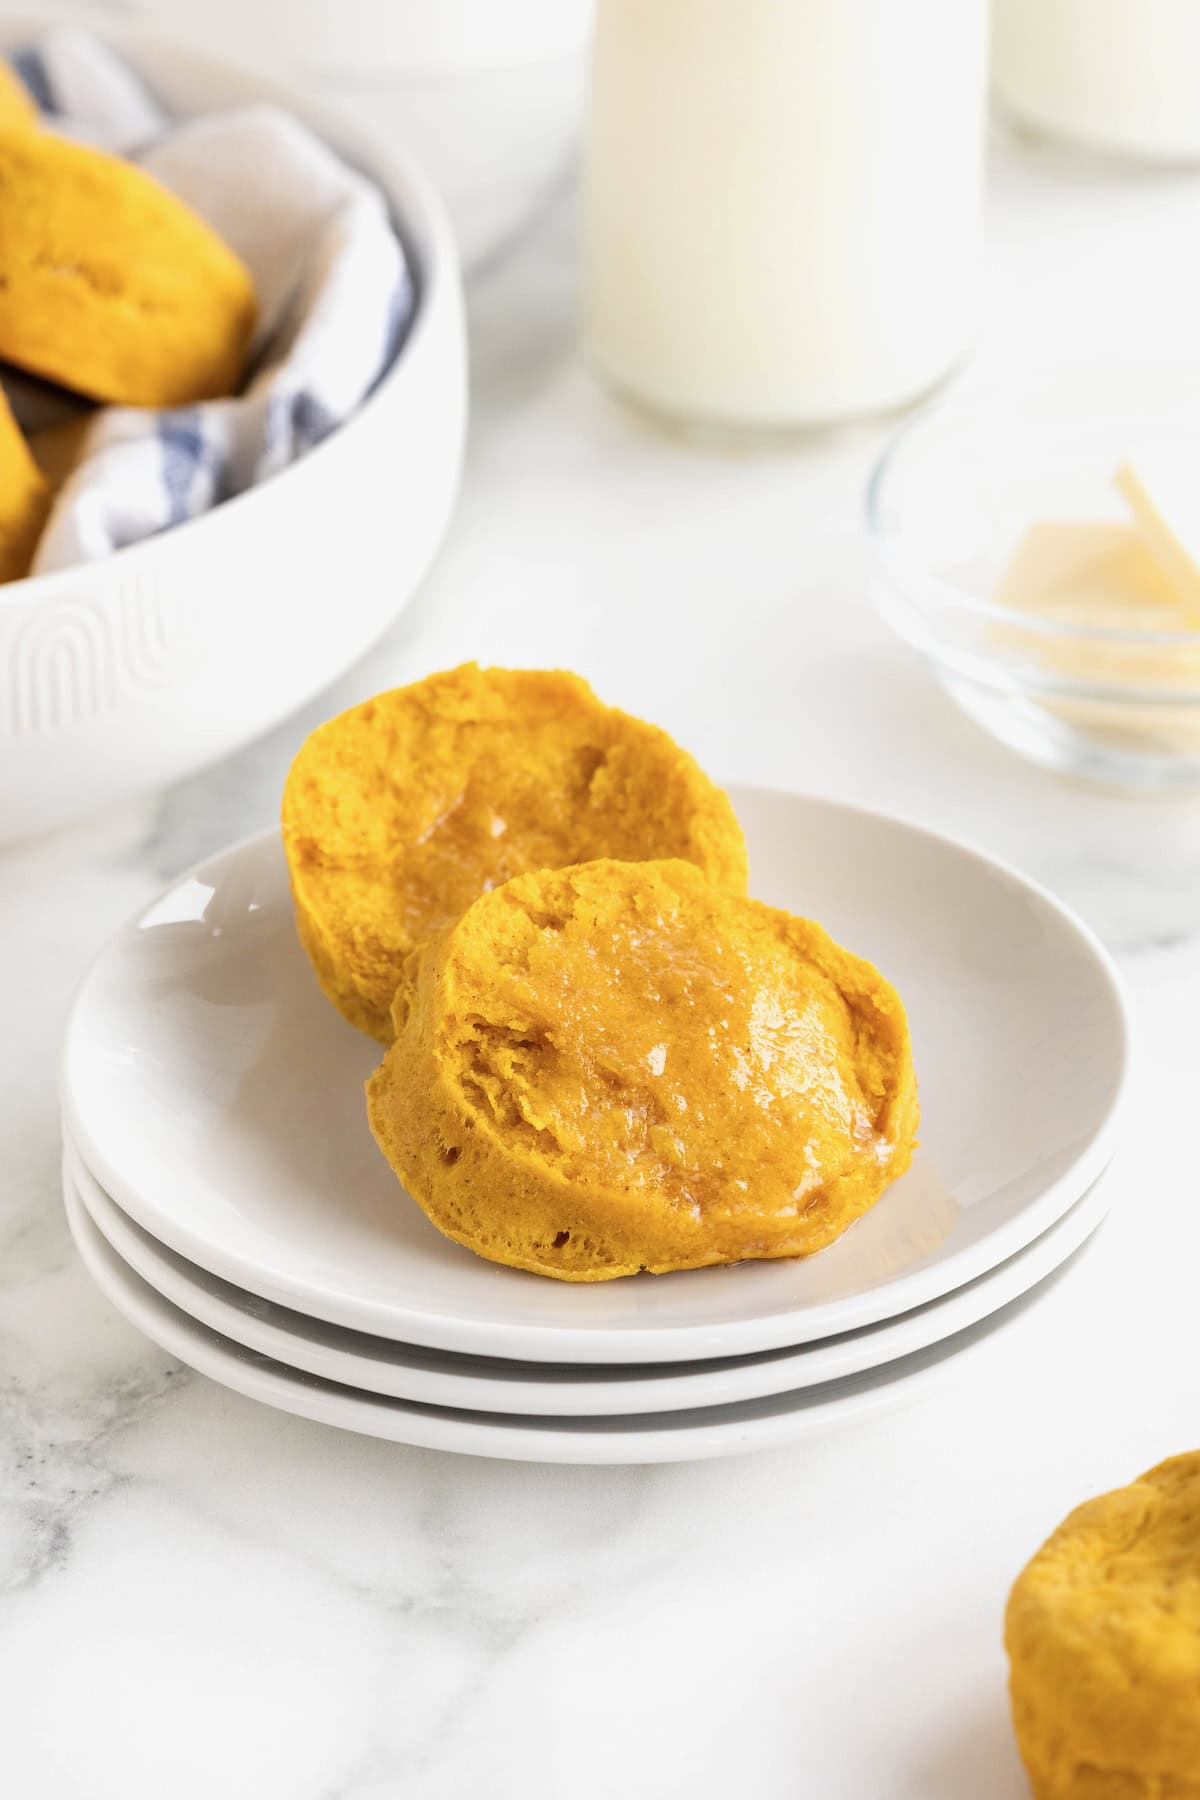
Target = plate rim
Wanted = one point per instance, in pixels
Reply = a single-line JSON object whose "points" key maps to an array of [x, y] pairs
{"points": [[617, 1378], [562, 1439], [645, 1343]]}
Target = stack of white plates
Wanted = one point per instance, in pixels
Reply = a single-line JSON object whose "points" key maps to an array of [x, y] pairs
{"points": [[224, 1190]]}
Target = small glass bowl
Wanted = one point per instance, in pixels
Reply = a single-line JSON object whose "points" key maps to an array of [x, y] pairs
{"points": [[947, 505]]}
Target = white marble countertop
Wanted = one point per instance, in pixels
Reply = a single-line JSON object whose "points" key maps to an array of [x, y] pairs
{"points": [[202, 1597]]}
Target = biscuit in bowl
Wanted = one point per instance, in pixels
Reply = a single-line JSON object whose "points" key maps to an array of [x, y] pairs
{"points": [[621, 1067], [1103, 1637], [25, 497], [402, 811], [17, 111], [58, 449], [109, 284]]}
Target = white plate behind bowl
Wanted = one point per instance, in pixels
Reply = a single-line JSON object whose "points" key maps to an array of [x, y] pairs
{"points": [[491, 1385], [132, 672], [689, 1435], [218, 1097]]}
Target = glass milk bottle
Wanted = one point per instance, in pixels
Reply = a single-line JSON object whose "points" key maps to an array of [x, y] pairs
{"points": [[781, 204], [1114, 75]]}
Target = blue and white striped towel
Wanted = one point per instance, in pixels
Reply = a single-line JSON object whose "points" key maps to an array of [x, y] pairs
{"points": [[334, 290]]}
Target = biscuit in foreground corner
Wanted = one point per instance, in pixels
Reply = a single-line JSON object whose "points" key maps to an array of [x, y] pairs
{"points": [[1103, 1637]]}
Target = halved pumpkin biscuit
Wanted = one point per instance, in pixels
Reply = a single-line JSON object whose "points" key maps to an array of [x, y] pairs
{"points": [[621, 1066], [25, 497], [109, 284], [17, 110], [402, 811], [1103, 1638]]}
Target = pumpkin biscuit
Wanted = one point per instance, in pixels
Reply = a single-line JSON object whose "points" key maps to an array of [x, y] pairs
{"points": [[622, 1067], [400, 812], [109, 284], [1103, 1637], [17, 110], [25, 496], [57, 449]]}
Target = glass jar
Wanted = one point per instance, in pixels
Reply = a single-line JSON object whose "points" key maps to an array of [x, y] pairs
{"points": [[782, 204], [1120, 76]]}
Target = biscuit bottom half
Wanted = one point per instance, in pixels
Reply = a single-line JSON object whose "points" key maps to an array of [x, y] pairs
{"points": [[402, 811], [621, 1066]]}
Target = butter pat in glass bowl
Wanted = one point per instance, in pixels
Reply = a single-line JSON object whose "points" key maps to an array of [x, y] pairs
{"points": [[1056, 613]]}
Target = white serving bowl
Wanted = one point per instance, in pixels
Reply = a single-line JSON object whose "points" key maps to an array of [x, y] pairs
{"points": [[127, 674], [488, 95]]}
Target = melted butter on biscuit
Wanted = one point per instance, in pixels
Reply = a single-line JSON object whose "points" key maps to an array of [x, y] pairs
{"points": [[636, 1068]]}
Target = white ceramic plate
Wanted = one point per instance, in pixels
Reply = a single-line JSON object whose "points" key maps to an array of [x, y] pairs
{"points": [[490, 1385], [686, 1436], [218, 1097]]}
